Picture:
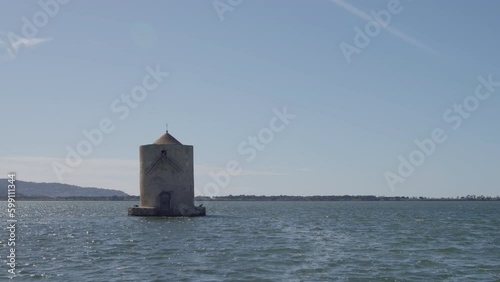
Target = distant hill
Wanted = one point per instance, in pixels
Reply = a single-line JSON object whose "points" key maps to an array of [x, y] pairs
{"points": [[56, 190]]}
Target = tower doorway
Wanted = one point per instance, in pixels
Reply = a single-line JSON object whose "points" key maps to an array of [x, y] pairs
{"points": [[165, 198]]}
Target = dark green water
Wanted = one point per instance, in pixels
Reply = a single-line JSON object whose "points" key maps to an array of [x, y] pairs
{"points": [[259, 241]]}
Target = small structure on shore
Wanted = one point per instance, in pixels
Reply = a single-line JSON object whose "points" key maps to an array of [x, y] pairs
{"points": [[166, 180]]}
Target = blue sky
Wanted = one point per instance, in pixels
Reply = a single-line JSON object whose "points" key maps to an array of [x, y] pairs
{"points": [[229, 73]]}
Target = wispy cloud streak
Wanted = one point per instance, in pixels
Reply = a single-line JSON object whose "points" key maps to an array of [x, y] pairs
{"points": [[394, 31], [29, 42], [12, 43]]}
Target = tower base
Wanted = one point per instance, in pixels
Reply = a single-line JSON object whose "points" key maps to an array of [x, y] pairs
{"points": [[183, 210]]}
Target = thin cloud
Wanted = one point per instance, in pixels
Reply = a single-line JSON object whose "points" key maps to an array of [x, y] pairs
{"points": [[28, 42], [394, 31], [12, 43], [304, 169], [204, 170]]}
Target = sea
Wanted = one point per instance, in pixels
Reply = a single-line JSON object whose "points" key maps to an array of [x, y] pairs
{"points": [[257, 241]]}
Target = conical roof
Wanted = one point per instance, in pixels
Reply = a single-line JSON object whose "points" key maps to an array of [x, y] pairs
{"points": [[167, 139]]}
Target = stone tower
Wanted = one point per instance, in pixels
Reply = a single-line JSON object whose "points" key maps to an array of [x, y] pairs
{"points": [[166, 180]]}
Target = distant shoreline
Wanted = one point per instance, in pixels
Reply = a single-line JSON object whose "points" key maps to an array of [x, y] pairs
{"points": [[344, 198], [282, 198], [32, 191]]}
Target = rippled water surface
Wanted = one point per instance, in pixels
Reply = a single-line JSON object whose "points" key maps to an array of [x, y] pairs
{"points": [[259, 241]]}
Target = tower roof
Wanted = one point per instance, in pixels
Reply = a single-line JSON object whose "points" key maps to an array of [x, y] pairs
{"points": [[167, 139]]}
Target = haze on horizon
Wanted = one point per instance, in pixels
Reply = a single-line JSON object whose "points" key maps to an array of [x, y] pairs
{"points": [[277, 97]]}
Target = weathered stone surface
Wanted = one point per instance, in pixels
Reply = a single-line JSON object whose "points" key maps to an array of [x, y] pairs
{"points": [[184, 211], [142, 211], [191, 210]]}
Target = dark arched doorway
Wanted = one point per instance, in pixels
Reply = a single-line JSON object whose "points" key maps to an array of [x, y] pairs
{"points": [[165, 198]]}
